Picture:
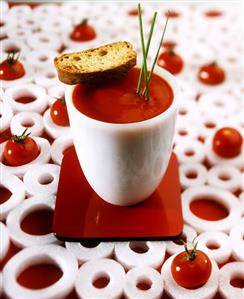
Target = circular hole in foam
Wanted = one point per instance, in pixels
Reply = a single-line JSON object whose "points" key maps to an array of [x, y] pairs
{"points": [[40, 276], [182, 132], [191, 174], [101, 281], [38, 222], [25, 99], [90, 244], [237, 282], [224, 176], [5, 194], [43, 58], [138, 247], [144, 284], [210, 125], [45, 179], [208, 208], [189, 152], [27, 123], [212, 245]]}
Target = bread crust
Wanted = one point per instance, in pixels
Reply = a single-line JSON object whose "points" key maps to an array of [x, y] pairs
{"points": [[107, 62]]}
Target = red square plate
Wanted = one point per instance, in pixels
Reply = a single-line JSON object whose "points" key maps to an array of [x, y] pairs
{"points": [[81, 215]]}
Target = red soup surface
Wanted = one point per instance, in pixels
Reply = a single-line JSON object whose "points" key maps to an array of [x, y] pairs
{"points": [[116, 101]]}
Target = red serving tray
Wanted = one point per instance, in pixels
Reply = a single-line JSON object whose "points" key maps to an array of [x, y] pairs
{"points": [[81, 215]]}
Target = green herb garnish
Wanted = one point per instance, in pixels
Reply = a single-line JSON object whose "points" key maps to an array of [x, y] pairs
{"points": [[147, 50], [144, 68]]}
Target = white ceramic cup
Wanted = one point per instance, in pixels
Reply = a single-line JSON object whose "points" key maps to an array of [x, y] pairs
{"points": [[124, 163]]}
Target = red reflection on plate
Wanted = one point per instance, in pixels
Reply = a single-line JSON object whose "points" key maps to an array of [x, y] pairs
{"points": [[81, 214]]}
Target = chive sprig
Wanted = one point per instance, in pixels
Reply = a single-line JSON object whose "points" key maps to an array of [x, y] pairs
{"points": [[144, 69], [147, 47]]}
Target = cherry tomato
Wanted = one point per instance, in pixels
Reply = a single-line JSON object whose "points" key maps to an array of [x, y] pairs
{"points": [[83, 32], [191, 269], [59, 113], [11, 68], [211, 74], [227, 142], [171, 61], [20, 150]]}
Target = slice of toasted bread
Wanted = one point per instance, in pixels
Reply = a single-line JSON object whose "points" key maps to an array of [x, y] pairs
{"points": [[106, 62]]}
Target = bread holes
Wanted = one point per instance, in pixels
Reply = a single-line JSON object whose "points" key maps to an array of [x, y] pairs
{"points": [[76, 58], [103, 52], [98, 63]]}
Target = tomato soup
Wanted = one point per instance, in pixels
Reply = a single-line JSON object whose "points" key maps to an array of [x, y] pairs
{"points": [[116, 101]]}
